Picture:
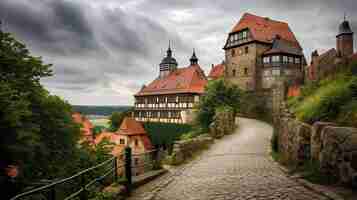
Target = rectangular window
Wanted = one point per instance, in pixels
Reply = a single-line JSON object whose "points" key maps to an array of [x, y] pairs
{"points": [[136, 142], [122, 141], [233, 52], [276, 58], [267, 73], [266, 60], [291, 59], [276, 72], [234, 72], [246, 50], [245, 71], [297, 60], [285, 59], [244, 34]]}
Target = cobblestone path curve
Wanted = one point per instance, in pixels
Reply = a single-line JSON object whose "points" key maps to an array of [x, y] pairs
{"points": [[237, 166]]}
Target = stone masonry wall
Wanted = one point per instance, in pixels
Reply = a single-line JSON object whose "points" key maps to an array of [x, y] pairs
{"points": [[184, 149], [333, 148]]}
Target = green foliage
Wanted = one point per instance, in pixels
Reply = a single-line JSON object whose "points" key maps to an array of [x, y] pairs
{"points": [[254, 105], [188, 136], [103, 196], [165, 133], [348, 114], [100, 110], [326, 102], [116, 119], [38, 132], [98, 129], [217, 93]]}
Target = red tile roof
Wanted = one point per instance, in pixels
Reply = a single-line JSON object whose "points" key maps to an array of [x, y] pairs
{"points": [[87, 126], [190, 79], [217, 71], [130, 126], [111, 137], [264, 29]]}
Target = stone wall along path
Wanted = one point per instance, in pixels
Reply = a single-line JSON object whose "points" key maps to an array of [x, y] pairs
{"points": [[238, 166]]}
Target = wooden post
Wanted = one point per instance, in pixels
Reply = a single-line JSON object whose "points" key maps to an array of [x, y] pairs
{"points": [[115, 169], [83, 195], [128, 168]]}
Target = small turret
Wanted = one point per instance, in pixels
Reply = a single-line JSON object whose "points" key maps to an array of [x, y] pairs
{"points": [[344, 39], [168, 63]]}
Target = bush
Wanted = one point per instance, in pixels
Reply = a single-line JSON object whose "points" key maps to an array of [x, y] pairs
{"points": [[253, 105], [188, 136], [348, 114], [164, 134], [326, 102], [217, 93]]}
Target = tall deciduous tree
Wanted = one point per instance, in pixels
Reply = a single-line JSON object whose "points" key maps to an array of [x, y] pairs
{"points": [[36, 128]]}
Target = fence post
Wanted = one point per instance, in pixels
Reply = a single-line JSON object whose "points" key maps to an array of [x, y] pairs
{"points": [[128, 168], [115, 169], [53, 193], [83, 195]]}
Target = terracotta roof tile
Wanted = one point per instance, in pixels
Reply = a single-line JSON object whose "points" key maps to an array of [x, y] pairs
{"points": [[130, 126], [217, 71], [264, 29], [190, 79]]}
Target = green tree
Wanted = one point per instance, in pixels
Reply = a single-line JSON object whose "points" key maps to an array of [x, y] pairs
{"points": [[36, 128], [217, 93], [117, 118]]}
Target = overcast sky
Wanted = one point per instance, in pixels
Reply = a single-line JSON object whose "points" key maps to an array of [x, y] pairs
{"points": [[103, 51]]}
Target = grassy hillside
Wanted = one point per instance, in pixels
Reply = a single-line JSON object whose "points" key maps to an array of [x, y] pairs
{"points": [[333, 100]]}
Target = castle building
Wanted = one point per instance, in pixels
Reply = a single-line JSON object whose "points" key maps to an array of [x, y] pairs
{"points": [[328, 62], [170, 98], [217, 71], [260, 51]]}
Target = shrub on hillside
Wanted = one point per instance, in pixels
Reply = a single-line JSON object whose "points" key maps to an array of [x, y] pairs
{"points": [[348, 114], [165, 133], [253, 105], [217, 93], [326, 102]]}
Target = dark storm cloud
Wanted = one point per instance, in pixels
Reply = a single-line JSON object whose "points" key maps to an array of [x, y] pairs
{"points": [[54, 26], [101, 49]]}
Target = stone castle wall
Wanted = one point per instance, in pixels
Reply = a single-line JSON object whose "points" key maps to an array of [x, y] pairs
{"points": [[333, 148]]}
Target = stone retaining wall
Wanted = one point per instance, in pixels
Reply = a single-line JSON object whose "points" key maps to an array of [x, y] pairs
{"points": [[184, 149], [334, 148]]}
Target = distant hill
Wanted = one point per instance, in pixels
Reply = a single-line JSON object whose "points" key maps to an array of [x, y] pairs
{"points": [[99, 110]]}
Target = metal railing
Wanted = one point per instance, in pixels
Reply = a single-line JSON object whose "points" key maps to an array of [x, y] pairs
{"points": [[81, 184], [76, 186]]}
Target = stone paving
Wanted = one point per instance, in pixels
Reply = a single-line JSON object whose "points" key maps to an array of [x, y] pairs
{"points": [[237, 166]]}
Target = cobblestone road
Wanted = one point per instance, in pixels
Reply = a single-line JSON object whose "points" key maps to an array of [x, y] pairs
{"points": [[235, 167]]}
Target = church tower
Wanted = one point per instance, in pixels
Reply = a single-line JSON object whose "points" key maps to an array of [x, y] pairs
{"points": [[344, 39], [168, 64]]}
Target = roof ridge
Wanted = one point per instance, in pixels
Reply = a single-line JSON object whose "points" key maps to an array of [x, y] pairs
{"points": [[270, 19]]}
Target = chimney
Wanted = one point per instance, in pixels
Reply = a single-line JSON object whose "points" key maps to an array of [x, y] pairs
{"points": [[212, 66], [314, 56]]}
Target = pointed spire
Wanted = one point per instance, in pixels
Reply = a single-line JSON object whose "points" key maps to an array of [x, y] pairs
{"points": [[169, 51], [194, 59]]}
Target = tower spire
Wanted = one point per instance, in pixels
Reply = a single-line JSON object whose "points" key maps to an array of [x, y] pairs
{"points": [[194, 59], [169, 51]]}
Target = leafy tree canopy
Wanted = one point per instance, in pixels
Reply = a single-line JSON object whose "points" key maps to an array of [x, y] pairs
{"points": [[217, 93], [117, 118], [36, 128]]}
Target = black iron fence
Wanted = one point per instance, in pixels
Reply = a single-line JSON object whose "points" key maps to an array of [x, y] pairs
{"points": [[82, 184]]}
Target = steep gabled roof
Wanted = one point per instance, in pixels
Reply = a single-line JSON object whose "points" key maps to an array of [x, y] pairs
{"points": [[130, 126], [190, 79], [264, 29], [217, 71]]}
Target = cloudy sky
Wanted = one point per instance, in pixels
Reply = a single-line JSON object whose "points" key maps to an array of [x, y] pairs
{"points": [[103, 51]]}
